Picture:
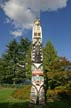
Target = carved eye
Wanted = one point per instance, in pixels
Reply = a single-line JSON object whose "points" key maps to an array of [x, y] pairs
{"points": [[38, 34], [35, 34]]}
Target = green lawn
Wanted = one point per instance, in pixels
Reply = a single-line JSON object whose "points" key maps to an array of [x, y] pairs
{"points": [[5, 94], [8, 101]]}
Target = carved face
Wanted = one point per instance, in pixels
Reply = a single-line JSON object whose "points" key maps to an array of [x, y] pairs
{"points": [[37, 79], [37, 22]]}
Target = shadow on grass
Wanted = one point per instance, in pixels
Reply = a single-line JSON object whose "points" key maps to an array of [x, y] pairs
{"points": [[55, 104], [14, 105], [58, 104]]}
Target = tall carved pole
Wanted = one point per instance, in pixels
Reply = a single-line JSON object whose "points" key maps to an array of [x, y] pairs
{"points": [[37, 95]]}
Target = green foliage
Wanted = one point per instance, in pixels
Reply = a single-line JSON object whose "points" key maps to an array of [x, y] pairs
{"points": [[19, 98], [50, 56], [15, 65], [22, 93], [59, 79], [13, 62], [28, 63]]}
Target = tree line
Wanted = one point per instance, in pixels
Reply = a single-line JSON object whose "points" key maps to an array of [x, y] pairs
{"points": [[15, 63]]}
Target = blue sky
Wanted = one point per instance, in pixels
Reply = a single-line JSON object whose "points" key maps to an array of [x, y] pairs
{"points": [[55, 17]]}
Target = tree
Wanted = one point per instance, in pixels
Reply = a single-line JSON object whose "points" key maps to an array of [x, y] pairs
{"points": [[24, 56], [28, 63], [50, 57], [12, 53], [13, 63], [1, 70], [63, 63], [5, 71]]}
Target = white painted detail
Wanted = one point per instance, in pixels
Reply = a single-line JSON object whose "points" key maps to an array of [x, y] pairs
{"points": [[37, 65]]}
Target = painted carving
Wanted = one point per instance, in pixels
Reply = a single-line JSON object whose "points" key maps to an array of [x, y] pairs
{"points": [[37, 95]]}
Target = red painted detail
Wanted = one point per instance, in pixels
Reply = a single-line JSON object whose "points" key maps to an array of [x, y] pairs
{"points": [[37, 72]]}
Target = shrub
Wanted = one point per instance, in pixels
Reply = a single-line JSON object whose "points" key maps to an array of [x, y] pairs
{"points": [[22, 93]]}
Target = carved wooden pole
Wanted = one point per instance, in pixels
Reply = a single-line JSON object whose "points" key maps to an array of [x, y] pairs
{"points": [[37, 95]]}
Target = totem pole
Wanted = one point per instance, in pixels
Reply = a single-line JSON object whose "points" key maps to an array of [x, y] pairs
{"points": [[37, 95]]}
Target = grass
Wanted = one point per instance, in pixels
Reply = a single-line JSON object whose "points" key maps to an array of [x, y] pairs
{"points": [[27, 105], [5, 94], [57, 104], [19, 98]]}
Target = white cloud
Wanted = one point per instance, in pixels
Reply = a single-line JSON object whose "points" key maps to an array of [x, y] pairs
{"points": [[56, 4], [16, 33], [20, 15], [23, 12]]}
